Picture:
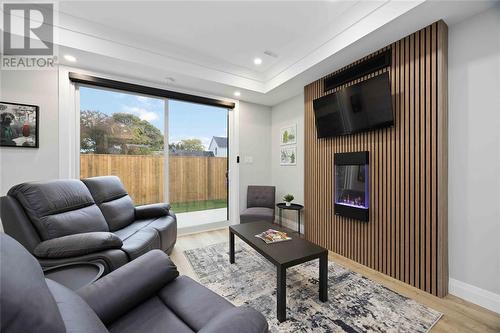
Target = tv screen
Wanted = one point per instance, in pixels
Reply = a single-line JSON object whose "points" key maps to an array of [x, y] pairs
{"points": [[360, 107]]}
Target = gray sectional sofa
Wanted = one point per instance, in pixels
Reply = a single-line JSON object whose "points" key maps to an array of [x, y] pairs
{"points": [[92, 220], [145, 295]]}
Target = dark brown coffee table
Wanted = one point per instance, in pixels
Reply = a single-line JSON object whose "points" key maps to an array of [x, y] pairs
{"points": [[282, 255]]}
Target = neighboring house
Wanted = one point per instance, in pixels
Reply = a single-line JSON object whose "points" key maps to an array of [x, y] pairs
{"points": [[219, 146]]}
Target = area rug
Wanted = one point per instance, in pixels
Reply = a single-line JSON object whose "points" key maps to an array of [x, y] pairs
{"points": [[355, 303]]}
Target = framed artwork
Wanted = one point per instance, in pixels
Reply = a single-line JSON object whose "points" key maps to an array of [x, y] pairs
{"points": [[18, 125], [288, 135], [288, 155]]}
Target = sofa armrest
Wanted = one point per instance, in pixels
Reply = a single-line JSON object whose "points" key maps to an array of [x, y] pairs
{"points": [[241, 319], [151, 211], [77, 245], [130, 285]]}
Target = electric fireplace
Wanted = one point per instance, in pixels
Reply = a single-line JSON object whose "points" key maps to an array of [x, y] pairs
{"points": [[351, 185]]}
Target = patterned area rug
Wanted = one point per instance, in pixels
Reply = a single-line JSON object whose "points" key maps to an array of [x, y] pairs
{"points": [[355, 303]]}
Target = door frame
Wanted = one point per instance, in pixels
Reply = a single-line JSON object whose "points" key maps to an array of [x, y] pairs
{"points": [[69, 138]]}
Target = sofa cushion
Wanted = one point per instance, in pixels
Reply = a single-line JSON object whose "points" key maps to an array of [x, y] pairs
{"points": [[192, 302], [151, 316], [140, 242], [59, 207], [122, 290], [77, 245], [166, 226], [105, 188], [118, 213], [113, 200], [255, 214], [17, 224], [131, 229], [76, 314], [242, 319], [26, 302]]}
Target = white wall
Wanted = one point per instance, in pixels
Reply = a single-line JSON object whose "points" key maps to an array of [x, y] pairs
{"points": [[288, 179], [19, 165], [255, 147], [474, 155]]}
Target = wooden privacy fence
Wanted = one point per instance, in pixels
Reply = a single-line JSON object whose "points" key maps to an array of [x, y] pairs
{"points": [[191, 178]]}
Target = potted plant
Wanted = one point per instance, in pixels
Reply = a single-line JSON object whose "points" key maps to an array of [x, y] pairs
{"points": [[288, 199]]}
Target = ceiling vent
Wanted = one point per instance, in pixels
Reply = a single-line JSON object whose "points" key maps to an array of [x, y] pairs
{"points": [[271, 54]]}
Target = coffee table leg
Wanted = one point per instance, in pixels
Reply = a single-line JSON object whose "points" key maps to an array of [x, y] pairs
{"points": [[281, 294], [323, 277], [231, 247]]}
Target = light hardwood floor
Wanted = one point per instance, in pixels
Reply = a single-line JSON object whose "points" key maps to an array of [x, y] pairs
{"points": [[459, 315]]}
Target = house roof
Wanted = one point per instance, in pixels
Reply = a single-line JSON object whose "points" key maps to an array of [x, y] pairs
{"points": [[220, 141]]}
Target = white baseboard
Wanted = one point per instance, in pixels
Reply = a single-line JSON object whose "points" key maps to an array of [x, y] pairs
{"points": [[473, 294], [183, 231]]}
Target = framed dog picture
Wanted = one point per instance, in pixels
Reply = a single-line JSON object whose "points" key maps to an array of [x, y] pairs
{"points": [[18, 125]]}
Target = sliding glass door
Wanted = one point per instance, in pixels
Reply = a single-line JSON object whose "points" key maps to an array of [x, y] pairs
{"points": [[198, 162], [162, 150]]}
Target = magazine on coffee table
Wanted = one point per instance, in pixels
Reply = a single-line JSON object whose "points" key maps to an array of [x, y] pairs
{"points": [[271, 236]]}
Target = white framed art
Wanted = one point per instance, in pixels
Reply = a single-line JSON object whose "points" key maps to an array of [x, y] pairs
{"points": [[288, 135], [288, 155]]}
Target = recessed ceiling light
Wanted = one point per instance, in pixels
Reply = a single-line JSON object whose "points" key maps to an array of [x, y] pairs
{"points": [[257, 61], [70, 58], [237, 94]]}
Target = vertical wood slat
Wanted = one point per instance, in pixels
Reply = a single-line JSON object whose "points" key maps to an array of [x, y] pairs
{"points": [[442, 162], [417, 190], [397, 162], [406, 235], [428, 152], [406, 182], [422, 159]]}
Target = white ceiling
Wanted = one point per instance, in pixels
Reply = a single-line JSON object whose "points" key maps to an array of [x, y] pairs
{"points": [[209, 46], [223, 35]]}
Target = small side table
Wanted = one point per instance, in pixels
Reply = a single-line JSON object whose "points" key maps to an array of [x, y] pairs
{"points": [[296, 207]]}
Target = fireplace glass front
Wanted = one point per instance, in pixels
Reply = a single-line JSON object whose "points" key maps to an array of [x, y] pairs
{"points": [[351, 185]]}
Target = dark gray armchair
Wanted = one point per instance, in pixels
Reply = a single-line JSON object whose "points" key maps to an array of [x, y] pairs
{"points": [[260, 204], [145, 295], [94, 220]]}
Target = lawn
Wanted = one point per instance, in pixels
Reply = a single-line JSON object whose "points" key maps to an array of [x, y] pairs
{"points": [[192, 206]]}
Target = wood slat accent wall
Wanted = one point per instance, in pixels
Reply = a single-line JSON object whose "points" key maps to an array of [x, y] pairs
{"points": [[406, 236]]}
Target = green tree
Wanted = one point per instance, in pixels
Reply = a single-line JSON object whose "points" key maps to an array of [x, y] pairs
{"points": [[122, 132], [143, 133], [187, 145], [93, 131]]}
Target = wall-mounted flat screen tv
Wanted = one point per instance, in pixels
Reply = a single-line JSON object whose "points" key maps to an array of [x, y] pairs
{"points": [[361, 107]]}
